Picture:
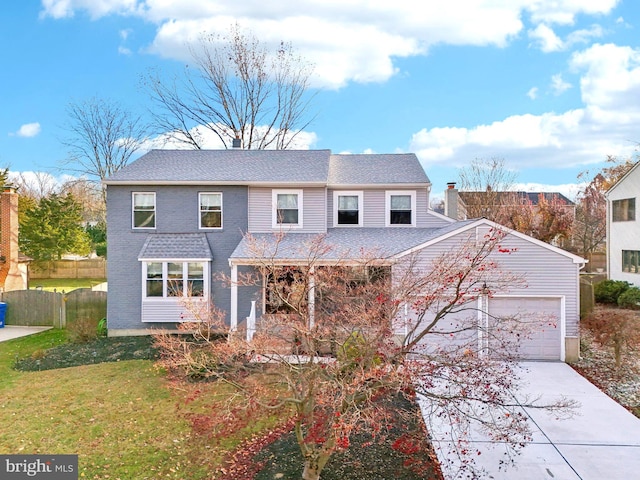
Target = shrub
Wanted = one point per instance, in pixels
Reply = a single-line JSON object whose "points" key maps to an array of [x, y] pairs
{"points": [[608, 291], [614, 327], [83, 329], [630, 298]]}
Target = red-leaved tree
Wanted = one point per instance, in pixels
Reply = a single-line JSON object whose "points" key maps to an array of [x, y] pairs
{"points": [[345, 331]]}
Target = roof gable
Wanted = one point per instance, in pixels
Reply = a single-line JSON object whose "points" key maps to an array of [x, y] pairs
{"points": [[624, 178], [460, 227]]}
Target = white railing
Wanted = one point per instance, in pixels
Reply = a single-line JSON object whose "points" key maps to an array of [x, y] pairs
{"points": [[251, 322]]}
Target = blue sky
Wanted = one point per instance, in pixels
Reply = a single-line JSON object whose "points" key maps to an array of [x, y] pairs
{"points": [[551, 86]]}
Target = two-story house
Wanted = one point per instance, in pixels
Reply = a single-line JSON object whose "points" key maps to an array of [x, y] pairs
{"points": [[177, 218], [623, 228]]}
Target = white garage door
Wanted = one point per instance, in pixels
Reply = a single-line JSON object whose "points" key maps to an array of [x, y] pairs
{"points": [[535, 325]]}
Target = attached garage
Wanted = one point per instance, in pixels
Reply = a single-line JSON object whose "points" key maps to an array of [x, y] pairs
{"points": [[539, 332]]}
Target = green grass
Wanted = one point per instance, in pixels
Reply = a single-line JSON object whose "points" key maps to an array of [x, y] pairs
{"points": [[64, 284], [121, 418]]}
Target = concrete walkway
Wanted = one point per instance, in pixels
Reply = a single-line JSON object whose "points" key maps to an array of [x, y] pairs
{"points": [[602, 441], [9, 332]]}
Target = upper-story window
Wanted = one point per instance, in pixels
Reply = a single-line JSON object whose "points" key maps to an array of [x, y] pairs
{"points": [[347, 208], [210, 210], [401, 208], [624, 210], [287, 208], [144, 210]]}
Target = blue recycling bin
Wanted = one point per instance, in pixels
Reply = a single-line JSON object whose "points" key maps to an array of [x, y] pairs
{"points": [[3, 312]]}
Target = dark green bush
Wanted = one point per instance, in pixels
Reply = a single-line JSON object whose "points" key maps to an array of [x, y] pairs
{"points": [[630, 298], [608, 291]]}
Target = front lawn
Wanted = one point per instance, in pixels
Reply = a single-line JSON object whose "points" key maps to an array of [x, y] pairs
{"points": [[121, 417], [127, 420]]}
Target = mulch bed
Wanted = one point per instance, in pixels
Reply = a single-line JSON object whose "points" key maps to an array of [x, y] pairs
{"points": [[404, 454], [95, 351]]}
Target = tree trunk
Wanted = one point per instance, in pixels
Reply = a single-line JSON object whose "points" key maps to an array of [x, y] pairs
{"points": [[313, 465]]}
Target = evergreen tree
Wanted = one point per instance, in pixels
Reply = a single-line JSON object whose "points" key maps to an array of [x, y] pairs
{"points": [[52, 228]]}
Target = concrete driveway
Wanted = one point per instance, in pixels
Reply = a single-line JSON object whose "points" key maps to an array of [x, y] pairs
{"points": [[9, 332], [602, 441]]}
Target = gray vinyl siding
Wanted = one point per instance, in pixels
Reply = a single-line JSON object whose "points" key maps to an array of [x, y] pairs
{"points": [[422, 208], [314, 207], [374, 207], [177, 211], [432, 220], [547, 273]]}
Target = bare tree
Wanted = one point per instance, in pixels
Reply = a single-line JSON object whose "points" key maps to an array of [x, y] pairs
{"points": [[343, 334], [36, 185], [102, 138], [486, 186], [590, 229], [239, 90]]}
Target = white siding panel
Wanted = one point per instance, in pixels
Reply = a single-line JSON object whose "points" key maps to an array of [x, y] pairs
{"points": [[167, 310], [623, 235]]}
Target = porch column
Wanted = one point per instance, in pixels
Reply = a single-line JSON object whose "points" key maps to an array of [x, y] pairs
{"points": [[311, 298], [234, 298]]}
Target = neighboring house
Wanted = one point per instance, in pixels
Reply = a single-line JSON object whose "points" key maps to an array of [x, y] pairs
{"points": [[623, 228], [515, 209], [457, 203], [13, 265], [179, 217]]}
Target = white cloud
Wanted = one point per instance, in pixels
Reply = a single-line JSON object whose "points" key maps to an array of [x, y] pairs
{"points": [[28, 130], [606, 124], [563, 12], [303, 140], [546, 38], [558, 85], [355, 40], [96, 8], [533, 93]]}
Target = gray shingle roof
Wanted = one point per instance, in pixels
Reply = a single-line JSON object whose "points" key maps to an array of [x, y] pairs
{"points": [[175, 246], [345, 243], [372, 169], [227, 166], [293, 167]]}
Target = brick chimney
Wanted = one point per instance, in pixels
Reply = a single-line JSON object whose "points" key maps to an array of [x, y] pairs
{"points": [[11, 277], [451, 200]]}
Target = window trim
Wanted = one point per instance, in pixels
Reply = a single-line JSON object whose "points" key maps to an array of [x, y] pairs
{"points": [[631, 267], [387, 207], [348, 193], [185, 276], [274, 207], [200, 211], [133, 210]]}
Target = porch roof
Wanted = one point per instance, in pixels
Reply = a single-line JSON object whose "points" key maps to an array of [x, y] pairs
{"points": [[176, 246], [342, 244]]}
